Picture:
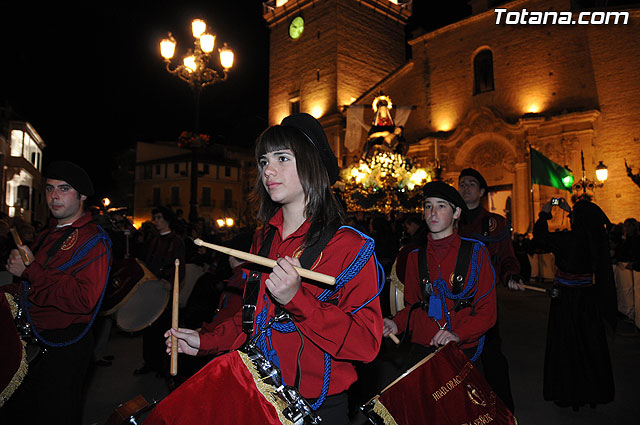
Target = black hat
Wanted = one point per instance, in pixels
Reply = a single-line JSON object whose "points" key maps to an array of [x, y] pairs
{"points": [[71, 173], [476, 175], [439, 189], [313, 130]]}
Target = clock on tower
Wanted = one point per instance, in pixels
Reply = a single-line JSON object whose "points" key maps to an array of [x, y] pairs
{"points": [[296, 27]]}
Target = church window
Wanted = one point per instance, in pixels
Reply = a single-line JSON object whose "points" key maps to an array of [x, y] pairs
{"points": [[483, 72]]}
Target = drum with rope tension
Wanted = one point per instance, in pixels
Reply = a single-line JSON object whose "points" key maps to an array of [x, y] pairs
{"points": [[241, 377], [444, 388], [144, 306], [126, 276]]}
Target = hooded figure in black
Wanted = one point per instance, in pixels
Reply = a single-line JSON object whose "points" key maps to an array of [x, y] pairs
{"points": [[577, 367]]}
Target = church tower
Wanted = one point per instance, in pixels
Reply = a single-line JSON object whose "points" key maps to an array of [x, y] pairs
{"points": [[324, 54]]}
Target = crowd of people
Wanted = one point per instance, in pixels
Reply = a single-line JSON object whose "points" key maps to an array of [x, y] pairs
{"points": [[450, 260]]}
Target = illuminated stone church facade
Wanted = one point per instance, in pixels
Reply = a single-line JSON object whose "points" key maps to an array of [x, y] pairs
{"points": [[480, 93]]}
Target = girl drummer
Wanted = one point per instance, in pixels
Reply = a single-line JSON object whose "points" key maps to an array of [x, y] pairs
{"points": [[332, 326]]}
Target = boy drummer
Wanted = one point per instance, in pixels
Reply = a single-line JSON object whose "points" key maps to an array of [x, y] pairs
{"points": [[450, 296]]}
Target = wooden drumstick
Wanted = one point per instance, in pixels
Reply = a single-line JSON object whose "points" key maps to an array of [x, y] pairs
{"points": [[174, 320], [394, 338], [534, 288], [267, 262], [16, 238]]}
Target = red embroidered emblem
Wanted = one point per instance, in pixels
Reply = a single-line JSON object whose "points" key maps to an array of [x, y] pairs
{"points": [[493, 224], [70, 241]]}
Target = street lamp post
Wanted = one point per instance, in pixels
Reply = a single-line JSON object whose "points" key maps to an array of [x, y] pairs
{"points": [[195, 70], [602, 173]]}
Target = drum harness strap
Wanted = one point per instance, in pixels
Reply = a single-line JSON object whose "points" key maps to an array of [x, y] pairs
{"points": [[307, 259], [80, 253], [434, 294]]}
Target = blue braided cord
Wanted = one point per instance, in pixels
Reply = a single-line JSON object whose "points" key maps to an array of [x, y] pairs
{"points": [[366, 250], [381, 280], [478, 349], [325, 382], [83, 250], [102, 236], [493, 283]]}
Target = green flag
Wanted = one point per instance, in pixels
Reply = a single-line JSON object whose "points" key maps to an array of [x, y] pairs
{"points": [[546, 172]]}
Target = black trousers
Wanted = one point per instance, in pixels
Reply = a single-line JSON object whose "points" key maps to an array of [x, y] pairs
{"points": [[496, 366], [334, 410], [153, 343], [51, 393]]}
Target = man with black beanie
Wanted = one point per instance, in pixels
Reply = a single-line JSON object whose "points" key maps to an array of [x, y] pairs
{"points": [[63, 276]]}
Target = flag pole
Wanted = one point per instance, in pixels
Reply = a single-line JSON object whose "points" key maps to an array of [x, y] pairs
{"points": [[531, 190]]}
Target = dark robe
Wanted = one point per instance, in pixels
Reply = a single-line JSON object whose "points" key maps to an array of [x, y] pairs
{"points": [[577, 367]]}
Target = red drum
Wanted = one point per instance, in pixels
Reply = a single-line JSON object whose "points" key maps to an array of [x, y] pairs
{"points": [[125, 278], [230, 390], [443, 388], [13, 357], [143, 306]]}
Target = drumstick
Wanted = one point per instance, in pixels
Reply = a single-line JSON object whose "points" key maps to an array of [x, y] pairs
{"points": [[394, 338], [16, 238], [267, 262], [534, 288], [174, 320]]}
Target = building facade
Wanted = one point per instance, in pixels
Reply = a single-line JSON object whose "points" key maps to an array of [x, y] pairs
{"points": [[21, 161], [162, 178], [480, 92]]}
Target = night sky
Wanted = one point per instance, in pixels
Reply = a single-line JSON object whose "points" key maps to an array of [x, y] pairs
{"points": [[90, 79]]}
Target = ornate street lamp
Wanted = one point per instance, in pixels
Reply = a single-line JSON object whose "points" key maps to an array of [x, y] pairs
{"points": [[196, 70], [584, 184]]}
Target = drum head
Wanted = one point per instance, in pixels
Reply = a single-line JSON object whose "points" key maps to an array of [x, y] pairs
{"points": [[144, 307], [125, 277]]}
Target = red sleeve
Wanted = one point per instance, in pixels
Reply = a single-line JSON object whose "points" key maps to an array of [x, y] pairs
{"points": [[347, 331], [220, 336], [471, 327]]}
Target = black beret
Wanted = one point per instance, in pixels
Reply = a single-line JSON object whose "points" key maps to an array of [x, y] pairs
{"points": [[476, 175], [71, 173], [439, 189], [313, 130]]}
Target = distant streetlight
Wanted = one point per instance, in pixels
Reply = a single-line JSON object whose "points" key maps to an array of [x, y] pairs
{"points": [[196, 71]]}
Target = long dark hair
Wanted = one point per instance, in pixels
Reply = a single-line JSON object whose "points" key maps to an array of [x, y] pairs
{"points": [[321, 205]]}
